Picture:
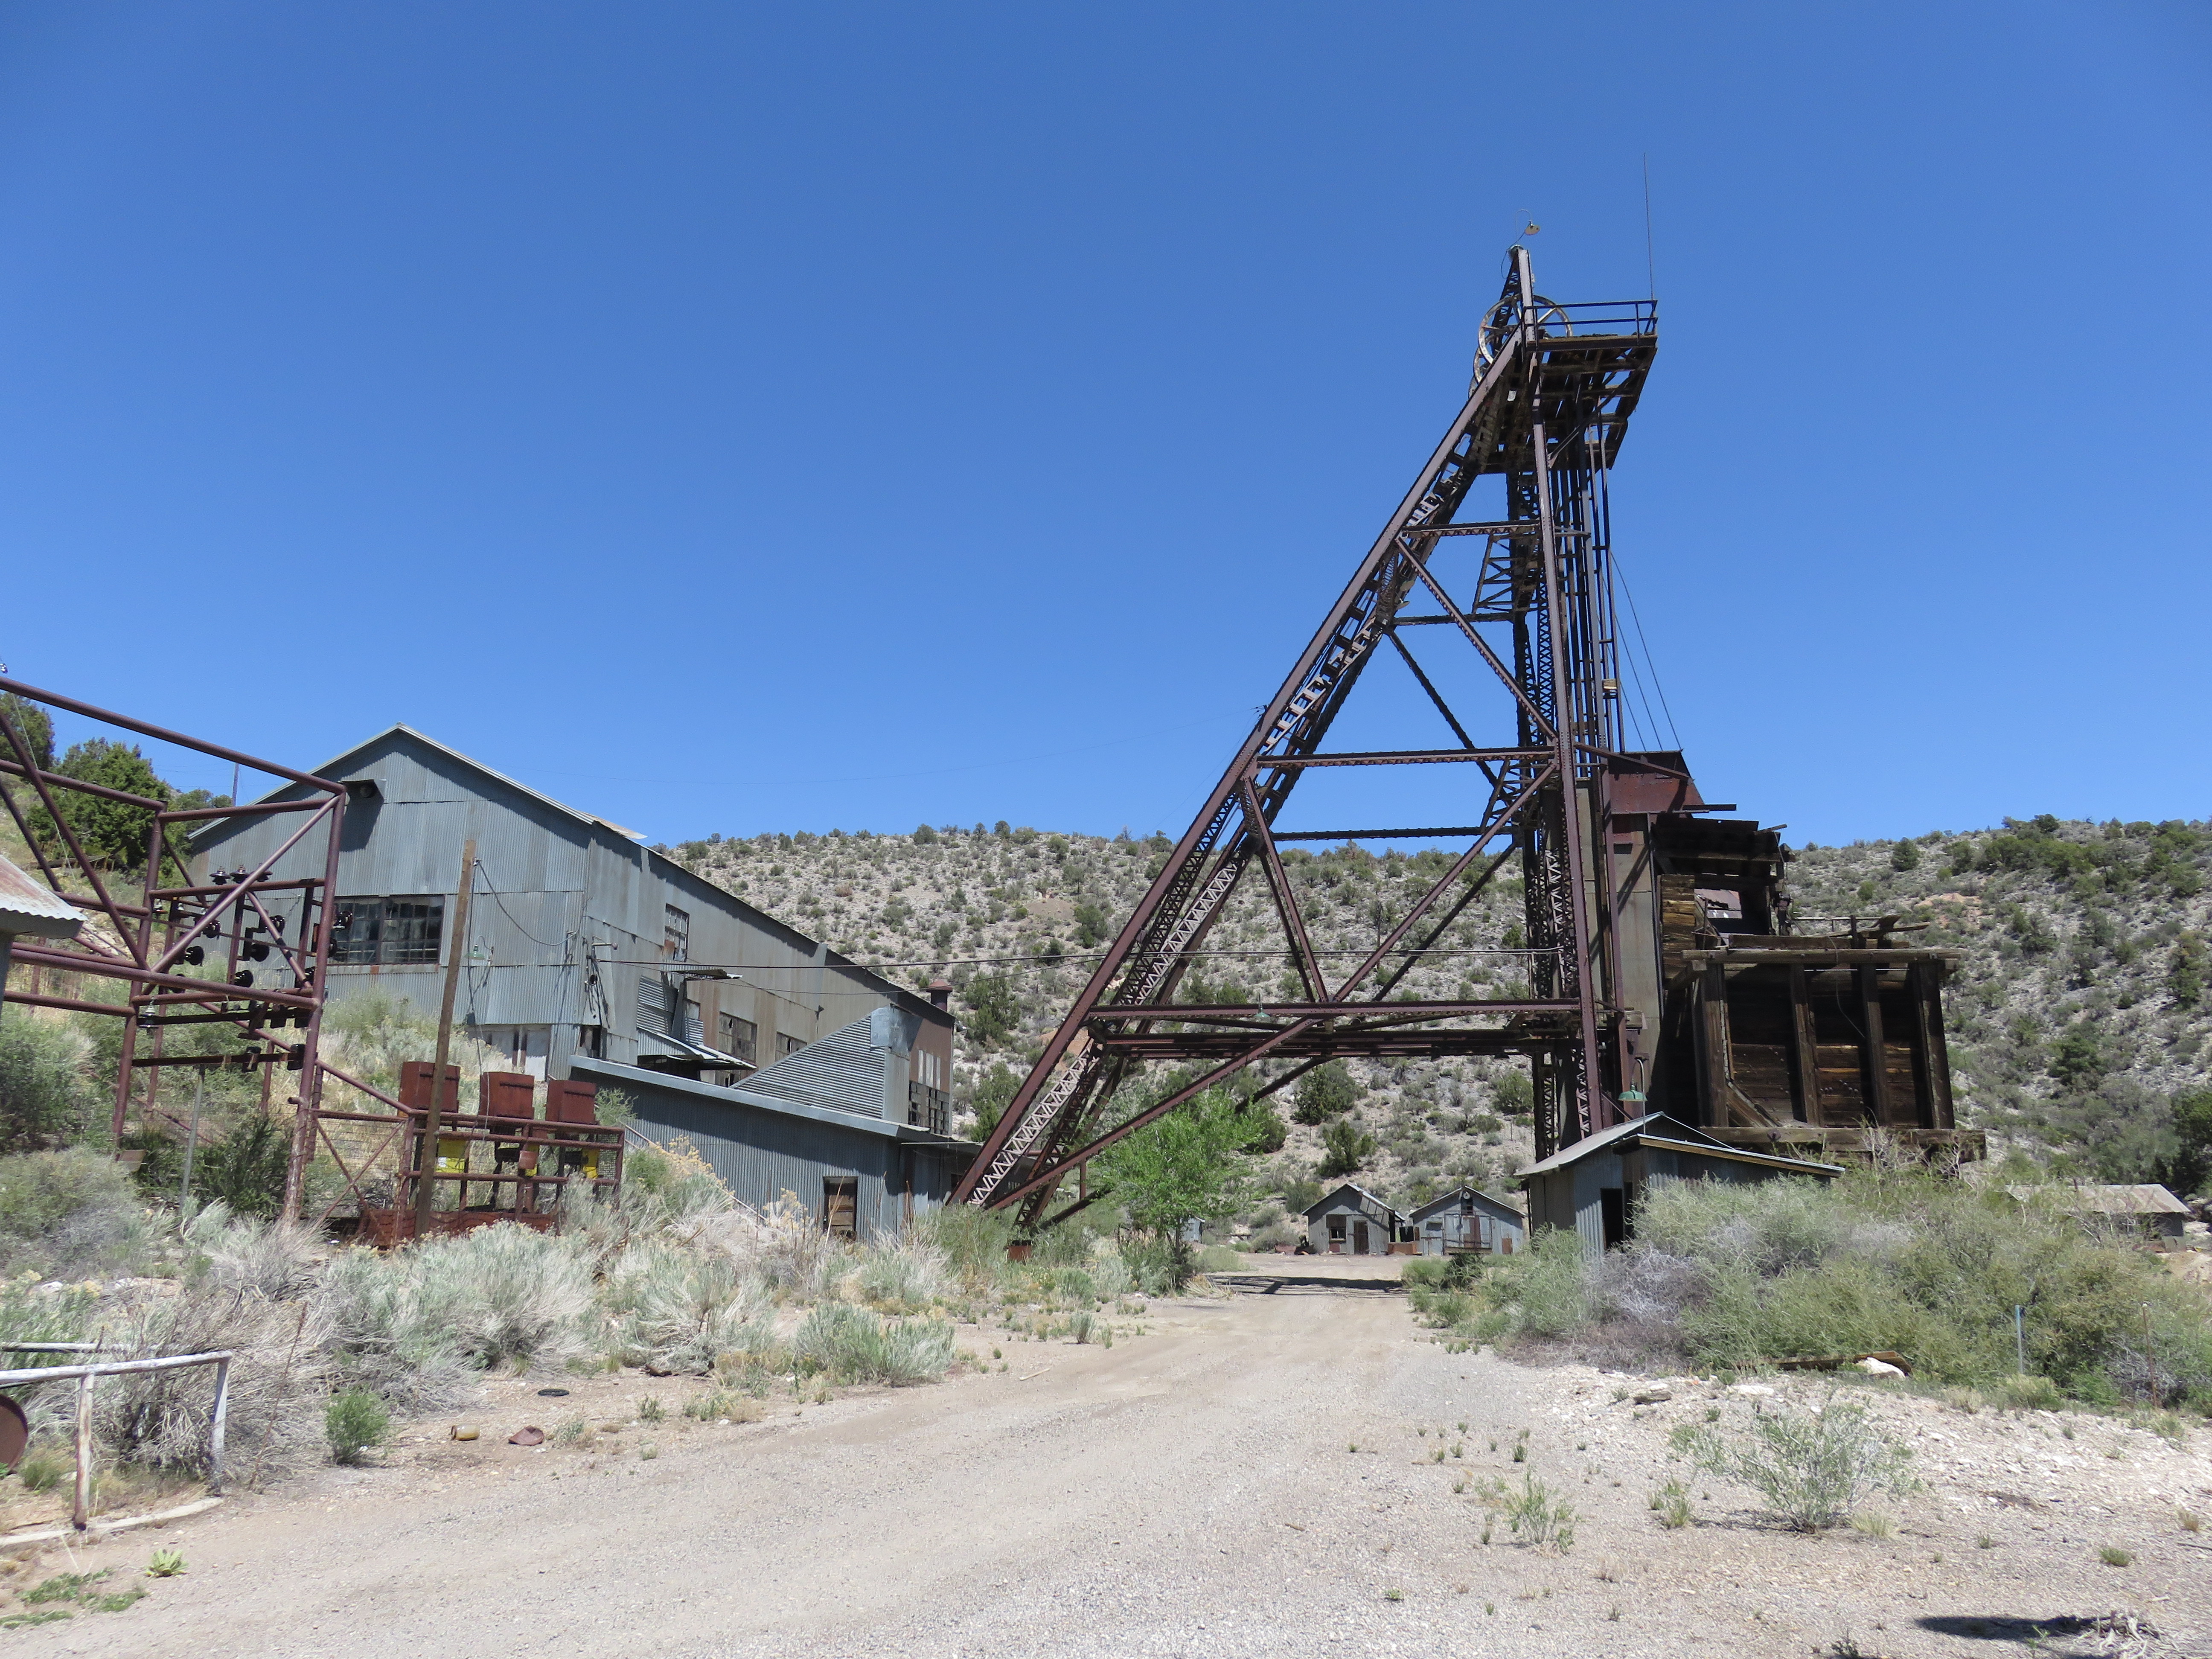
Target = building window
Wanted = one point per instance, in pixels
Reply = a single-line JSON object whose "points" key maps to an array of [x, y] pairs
{"points": [[592, 1041], [787, 1045], [929, 1108], [840, 1204], [388, 931], [695, 1027], [676, 938], [740, 1038]]}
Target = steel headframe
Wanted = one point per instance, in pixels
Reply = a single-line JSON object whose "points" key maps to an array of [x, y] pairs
{"points": [[148, 936], [1553, 390]]}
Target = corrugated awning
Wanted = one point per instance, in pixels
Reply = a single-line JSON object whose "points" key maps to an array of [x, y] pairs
{"points": [[27, 905], [700, 1051]]}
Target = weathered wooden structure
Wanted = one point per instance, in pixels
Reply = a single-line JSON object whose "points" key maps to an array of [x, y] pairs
{"points": [[1739, 1024]]}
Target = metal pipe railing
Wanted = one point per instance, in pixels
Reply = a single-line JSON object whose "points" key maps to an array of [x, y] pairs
{"points": [[86, 1375]]}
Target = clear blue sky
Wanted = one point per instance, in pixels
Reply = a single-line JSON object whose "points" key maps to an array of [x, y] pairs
{"points": [[735, 417]]}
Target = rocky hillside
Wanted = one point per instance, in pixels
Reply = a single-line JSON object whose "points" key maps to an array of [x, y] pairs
{"points": [[2078, 1013]]}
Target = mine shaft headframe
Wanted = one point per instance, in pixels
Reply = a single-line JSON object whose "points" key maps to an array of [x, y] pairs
{"points": [[1553, 390]]}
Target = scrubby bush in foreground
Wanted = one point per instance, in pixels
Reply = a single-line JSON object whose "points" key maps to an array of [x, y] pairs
{"points": [[1814, 1468], [355, 1422], [851, 1345]]}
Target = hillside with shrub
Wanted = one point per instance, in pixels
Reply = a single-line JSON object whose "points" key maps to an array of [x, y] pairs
{"points": [[2078, 1018]]}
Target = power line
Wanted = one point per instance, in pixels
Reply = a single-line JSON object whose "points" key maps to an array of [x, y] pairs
{"points": [[1070, 955]]}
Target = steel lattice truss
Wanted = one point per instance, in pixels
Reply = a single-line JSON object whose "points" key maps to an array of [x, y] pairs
{"points": [[1531, 598], [151, 930]]}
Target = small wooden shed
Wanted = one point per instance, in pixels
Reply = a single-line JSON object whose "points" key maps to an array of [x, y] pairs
{"points": [[1592, 1187], [1467, 1220], [1352, 1221], [2149, 1209]]}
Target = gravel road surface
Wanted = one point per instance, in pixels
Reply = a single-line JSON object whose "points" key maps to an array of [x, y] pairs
{"points": [[1192, 1491]]}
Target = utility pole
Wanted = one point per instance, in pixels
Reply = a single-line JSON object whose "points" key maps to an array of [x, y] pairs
{"points": [[456, 960]]}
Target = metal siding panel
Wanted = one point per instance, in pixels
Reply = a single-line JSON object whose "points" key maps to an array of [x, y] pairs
{"points": [[761, 1154], [844, 1070]]}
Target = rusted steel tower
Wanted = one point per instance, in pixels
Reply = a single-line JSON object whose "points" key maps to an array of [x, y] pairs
{"points": [[1529, 597], [150, 932]]}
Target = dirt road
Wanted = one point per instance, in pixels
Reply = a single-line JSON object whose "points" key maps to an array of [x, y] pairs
{"points": [[1194, 1491]]}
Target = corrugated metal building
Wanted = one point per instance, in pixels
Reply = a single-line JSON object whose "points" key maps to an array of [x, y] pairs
{"points": [[1352, 1221], [590, 955], [864, 1175], [1465, 1219], [1593, 1186]]}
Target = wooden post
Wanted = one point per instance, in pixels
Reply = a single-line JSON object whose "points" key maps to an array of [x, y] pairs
{"points": [[457, 954], [1714, 1068], [1877, 1067], [1804, 1047], [1931, 1059], [81, 1510]]}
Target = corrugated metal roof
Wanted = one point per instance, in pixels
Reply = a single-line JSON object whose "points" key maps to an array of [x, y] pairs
{"points": [[1660, 1130], [1380, 1211], [1501, 1208], [2150, 1199], [27, 905], [324, 769], [844, 1070]]}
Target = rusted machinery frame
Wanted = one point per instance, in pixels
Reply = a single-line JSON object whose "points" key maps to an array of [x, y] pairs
{"points": [[180, 915], [1547, 408]]}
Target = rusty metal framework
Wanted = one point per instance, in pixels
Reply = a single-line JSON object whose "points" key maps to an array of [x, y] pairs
{"points": [[155, 931], [1529, 597]]}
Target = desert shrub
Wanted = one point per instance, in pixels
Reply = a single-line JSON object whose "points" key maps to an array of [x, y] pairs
{"points": [[789, 1251], [679, 1310], [45, 1467], [1069, 1244], [275, 1260], [1813, 1469], [47, 1093], [851, 1345], [669, 1195], [67, 1215], [1547, 1285], [972, 1240], [1219, 1259], [1157, 1266], [1110, 1277], [371, 1035], [1326, 1092], [1886, 1258], [671, 1186], [1538, 1516], [354, 1423], [1072, 1284], [905, 1276], [280, 1377], [1764, 1227], [27, 1315], [2037, 1393], [244, 1169], [1344, 1147], [411, 1323]]}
